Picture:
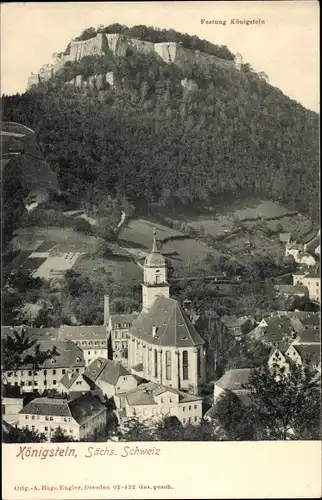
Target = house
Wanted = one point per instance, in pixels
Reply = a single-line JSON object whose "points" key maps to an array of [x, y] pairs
{"points": [[312, 280], [277, 361], [293, 249], [152, 400], [308, 336], [306, 259], [11, 404], [305, 355], [118, 327], [234, 381], [80, 417], [275, 331], [297, 251], [49, 373], [285, 238], [92, 340], [111, 377], [235, 326], [73, 381]]}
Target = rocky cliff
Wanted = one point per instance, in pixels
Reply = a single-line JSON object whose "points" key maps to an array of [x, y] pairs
{"points": [[120, 46]]}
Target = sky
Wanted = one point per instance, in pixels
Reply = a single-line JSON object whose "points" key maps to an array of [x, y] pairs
{"points": [[286, 46]]}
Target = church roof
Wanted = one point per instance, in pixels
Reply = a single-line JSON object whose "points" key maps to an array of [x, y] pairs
{"points": [[173, 327], [155, 258]]}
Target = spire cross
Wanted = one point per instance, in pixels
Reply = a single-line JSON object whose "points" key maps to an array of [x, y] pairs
{"points": [[154, 246]]}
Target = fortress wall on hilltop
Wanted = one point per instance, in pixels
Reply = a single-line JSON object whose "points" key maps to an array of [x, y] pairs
{"points": [[60, 62], [33, 79], [119, 44], [166, 50], [170, 52], [185, 58], [93, 46], [141, 45]]}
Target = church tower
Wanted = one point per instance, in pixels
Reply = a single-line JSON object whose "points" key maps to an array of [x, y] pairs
{"points": [[154, 276]]}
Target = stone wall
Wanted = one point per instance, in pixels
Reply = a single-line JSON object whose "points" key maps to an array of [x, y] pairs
{"points": [[33, 79], [170, 52], [93, 46]]}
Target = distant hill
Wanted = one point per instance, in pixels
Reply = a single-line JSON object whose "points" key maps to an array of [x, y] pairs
{"points": [[163, 135]]}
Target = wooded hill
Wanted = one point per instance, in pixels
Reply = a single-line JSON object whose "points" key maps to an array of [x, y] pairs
{"points": [[159, 144]]}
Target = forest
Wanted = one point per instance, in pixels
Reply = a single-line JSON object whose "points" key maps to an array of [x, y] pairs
{"points": [[159, 145]]}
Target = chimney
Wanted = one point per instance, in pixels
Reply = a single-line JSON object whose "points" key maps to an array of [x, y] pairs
{"points": [[106, 309], [154, 331]]}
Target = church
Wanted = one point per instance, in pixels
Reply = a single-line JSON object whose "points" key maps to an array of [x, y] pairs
{"points": [[163, 345]]}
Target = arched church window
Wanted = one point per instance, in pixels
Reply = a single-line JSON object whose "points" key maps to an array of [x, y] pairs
{"points": [[199, 363], [185, 366], [155, 363], [168, 365]]}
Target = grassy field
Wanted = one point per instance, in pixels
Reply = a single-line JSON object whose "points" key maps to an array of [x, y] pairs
{"points": [[114, 263], [185, 253], [118, 260]]}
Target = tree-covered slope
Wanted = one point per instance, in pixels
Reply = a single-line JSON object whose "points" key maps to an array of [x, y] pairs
{"points": [[155, 142]]}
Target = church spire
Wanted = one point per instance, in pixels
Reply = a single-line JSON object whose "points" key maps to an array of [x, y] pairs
{"points": [[154, 245]]}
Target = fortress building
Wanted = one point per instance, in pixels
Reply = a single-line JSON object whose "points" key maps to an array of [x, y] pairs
{"points": [[121, 46]]}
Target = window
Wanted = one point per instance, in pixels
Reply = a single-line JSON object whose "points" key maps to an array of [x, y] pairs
{"points": [[26, 417], [183, 408], [29, 383], [63, 371], [199, 363], [196, 418], [29, 373], [46, 428], [54, 382], [54, 372], [189, 408], [9, 374], [168, 365], [77, 370], [45, 382], [51, 418], [21, 373], [195, 407], [32, 427], [35, 383], [155, 363], [45, 372], [185, 368], [157, 279], [46, 418], [184, 420], [16, 384], [22, 383], [33, 417]]}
